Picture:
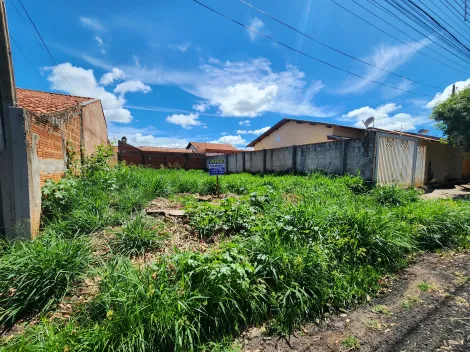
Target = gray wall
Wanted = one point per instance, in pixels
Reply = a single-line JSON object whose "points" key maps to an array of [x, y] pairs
{"points": [[348, 156]]}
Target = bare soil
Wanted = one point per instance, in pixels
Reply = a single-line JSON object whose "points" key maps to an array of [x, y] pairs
{"points": [[461, 191], [426, 309]]}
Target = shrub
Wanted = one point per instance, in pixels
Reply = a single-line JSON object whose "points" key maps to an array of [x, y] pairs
{"points": [[394, 195], [137, 236], [35, 274]]}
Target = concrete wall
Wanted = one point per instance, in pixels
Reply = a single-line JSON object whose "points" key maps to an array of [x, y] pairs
{"points": [[348, 156], [94, 129], [300, 133]]}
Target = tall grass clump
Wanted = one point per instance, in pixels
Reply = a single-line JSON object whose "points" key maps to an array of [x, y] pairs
{"points": [[137, 236], [36, 274]]}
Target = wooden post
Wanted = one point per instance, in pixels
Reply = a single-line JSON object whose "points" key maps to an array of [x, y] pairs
{"points": [[218, 189]]}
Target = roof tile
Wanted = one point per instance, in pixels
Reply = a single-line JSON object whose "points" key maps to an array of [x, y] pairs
{"points": [[39, 102]]}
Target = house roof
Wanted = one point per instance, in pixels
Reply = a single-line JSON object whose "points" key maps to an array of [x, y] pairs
{"points": [[202, 147], [286, 120], [40, 103], [409, 134], [166, 150]]}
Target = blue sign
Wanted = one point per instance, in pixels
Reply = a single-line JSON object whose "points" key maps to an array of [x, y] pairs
{"points": [[216, 167]]}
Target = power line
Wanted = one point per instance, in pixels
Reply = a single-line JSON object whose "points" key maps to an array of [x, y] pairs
{"points": [[406, 34], [48, 51], [337, 50], [399, 40], [420, 24], [427, 22], [22, 52], [307, 55]]}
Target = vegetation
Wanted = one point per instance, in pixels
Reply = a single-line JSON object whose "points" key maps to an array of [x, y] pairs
{"points": [[294, 248], [453, 118]]}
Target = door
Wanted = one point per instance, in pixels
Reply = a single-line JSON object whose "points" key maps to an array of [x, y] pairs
{"points": [[420, 165], [395, 161]]}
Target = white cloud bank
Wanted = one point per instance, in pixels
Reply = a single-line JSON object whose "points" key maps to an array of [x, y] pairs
{"points": [[110, 77], [257, 25], [185, 121], [244, 123], [147, 136], [254, 132], [387, 57], [233, 140], [385, 119], [446, 93], [132, 86], [84, 83]]}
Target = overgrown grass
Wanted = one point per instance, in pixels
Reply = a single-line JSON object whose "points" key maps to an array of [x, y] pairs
{"points": [[36, 274], [138, 236], [296, 247]]}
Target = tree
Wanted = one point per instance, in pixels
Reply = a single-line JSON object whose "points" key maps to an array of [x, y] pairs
{"points": [[453, 118]]}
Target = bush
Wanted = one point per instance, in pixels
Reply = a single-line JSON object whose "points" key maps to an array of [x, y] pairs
{"points": [[35, 274], [394, 195], [137, 236]]}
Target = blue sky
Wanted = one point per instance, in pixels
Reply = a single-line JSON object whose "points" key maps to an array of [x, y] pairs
{"points": [[171, 71]]}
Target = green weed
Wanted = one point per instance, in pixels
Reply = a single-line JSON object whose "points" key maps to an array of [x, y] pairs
{"points": [[138, 236], [351, 343]]}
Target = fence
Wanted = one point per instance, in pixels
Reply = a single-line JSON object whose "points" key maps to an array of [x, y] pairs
{"points": [[350, 156]]}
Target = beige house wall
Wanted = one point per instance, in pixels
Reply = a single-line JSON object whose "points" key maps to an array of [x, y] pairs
{"points": [[348, 132], [299, 133], [443, 162], [95, 131]]}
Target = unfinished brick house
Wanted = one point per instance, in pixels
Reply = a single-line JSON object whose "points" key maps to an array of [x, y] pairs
{"points": [[47, 130]]}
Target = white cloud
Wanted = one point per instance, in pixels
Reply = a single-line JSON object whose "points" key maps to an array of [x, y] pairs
{"points": [[248, 89], [233, 140], [446, 93], [384, 119], [201, 107], [110, 77], [387, 57], [91, 23], [254, 132], [181, 47], [185, 121], [256, 24], [244, 123], [100, 44], [132, 86], [136, 60], [245, 99], [147, 136], [222, 85], [84, 83]]}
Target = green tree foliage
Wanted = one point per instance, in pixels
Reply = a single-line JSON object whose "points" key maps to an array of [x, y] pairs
{"points": [[453, 118]]}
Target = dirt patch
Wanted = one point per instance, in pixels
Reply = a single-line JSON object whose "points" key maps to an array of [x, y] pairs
{"points": [[426, 309], [450, 192]]}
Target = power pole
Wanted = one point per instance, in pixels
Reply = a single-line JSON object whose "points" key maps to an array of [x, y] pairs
{"points": [[453, 89]]}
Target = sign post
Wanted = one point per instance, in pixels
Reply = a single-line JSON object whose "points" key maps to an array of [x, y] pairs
{"points": [[217, 167]]}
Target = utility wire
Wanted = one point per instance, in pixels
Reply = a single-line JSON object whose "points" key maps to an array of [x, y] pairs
{"points": [[22, 52], [336, 50], [456, 13], [399, 40], [307, 55], [416, 21], [48, 51], [424, 20], [448, 17]]}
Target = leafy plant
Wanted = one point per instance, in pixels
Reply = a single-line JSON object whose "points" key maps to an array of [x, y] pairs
{"points": [[138, 236], [351, 343], [36, 274]]}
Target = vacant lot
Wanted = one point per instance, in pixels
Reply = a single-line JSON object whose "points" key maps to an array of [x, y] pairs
{"points": [[111, 271]]}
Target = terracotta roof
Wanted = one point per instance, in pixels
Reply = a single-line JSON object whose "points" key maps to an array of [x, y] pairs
{"points": [[202, 147], [166, 150], [40, 102], [284, 121]]}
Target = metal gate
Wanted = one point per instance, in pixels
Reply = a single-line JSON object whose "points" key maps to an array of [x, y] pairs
{"points": [[395, 160], [420, 165]]}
